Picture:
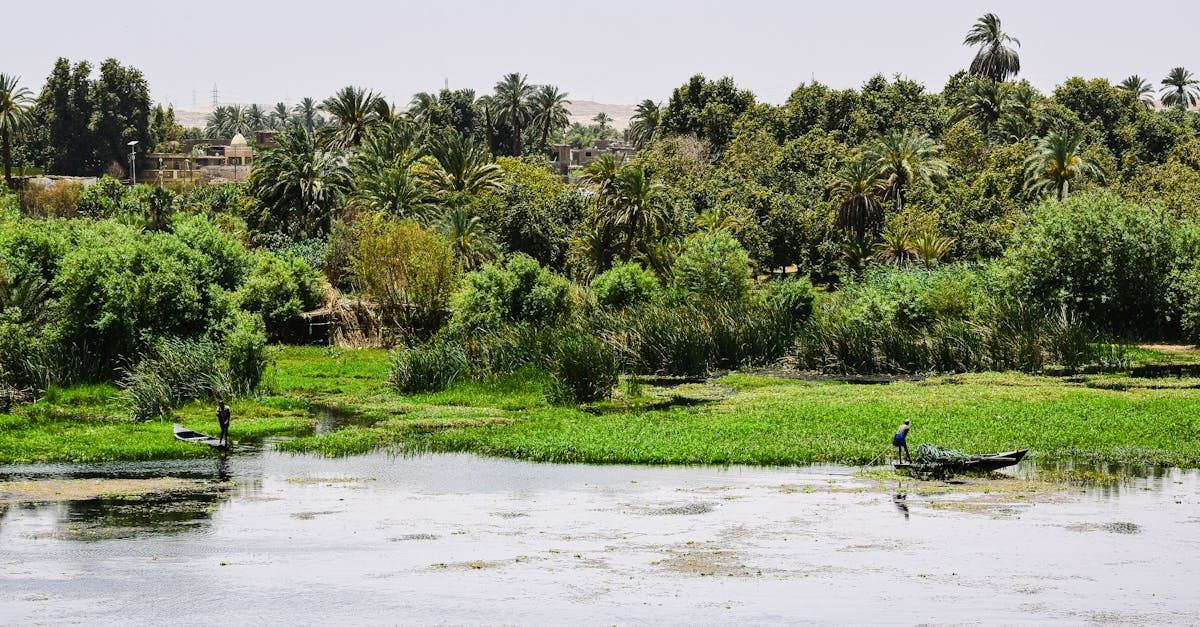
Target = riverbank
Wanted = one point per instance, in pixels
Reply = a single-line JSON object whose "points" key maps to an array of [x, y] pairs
{"points": [[336, 402]]}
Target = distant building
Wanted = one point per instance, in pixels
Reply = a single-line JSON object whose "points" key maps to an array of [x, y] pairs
{"points": [[567, 160], [205, 160]]}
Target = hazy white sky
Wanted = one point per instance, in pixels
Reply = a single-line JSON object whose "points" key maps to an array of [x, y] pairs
{"points": [[613, 51]]}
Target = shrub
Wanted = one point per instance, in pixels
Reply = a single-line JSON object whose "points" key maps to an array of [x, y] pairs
{"points": [[624, 285], [245, 352], [173, 373], [584, 369], [429, 367], [791, 300], [1105, 258], [713, 266], [522, 292], [409, 272], [102, 199], [278, 290], [58, 200]]}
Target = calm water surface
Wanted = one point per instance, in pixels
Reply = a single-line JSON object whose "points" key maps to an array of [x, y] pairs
{"points": [[463, 539]]}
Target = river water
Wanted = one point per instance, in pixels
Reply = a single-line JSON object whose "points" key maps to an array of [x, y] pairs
{"points": [[454, 539]]}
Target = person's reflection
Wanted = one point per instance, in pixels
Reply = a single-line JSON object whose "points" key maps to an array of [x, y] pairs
{"points": [[223, 473], [900, 499]]}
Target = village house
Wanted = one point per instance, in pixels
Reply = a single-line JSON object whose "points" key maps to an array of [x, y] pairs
{"points": [[567, 160]]}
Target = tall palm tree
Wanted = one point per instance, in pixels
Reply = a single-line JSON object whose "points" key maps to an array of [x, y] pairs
{"points": [[256, 118], [904, 158], [1057, 162], [860, 210], [635, 205], [421, 107], [995, 59], [299, 184], [643, 126], [461, 168], [1140, 88], [1179, 89], [355, 111], [602, 121], [550, 111], [280, 116], [488, 104], [469, 238], [306, 113], [512, 105], [15, 103], [397, 191]]}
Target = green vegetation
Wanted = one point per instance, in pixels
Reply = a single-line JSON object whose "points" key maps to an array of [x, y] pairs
{"points": [[889, 229]]}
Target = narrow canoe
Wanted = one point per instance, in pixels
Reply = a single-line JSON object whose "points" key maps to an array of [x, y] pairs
{"points": [[187, 435], [985, 463]]}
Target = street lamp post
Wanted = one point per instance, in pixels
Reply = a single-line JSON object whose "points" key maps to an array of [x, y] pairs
{"points": [[133, 162]]}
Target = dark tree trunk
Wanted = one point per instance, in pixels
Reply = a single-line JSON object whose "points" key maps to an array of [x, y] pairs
{"points": [[7, 159]]}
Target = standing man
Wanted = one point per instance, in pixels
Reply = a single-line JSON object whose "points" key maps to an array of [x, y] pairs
{"points": [[900, 441], [223, 416]]}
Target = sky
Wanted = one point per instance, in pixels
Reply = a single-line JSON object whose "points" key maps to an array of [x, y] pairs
{"points": [[616, 51]]}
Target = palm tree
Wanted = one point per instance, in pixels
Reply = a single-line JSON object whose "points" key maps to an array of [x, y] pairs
{"points": [[488, 104], [299, 184], [280, 116], [995, 59], [355, 111], [602, 173], [1140, 88], [1179, 89], [1057, 162], [512, 105], [397, 191], [306, 112], [985, 101], [602, 121], [860, 209], [461, 168], [469, 238], [643, 126], [550, 111], [895, 247], [930, 247], [256, 118], [635, 204], [904, 158], [421, 107], [15, 102]]}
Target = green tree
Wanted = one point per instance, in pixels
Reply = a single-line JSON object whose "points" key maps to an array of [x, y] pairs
{"points": [[1057, 162], [643, 126], [602, 120], [905, 158], [1140, 88], [984, 101], [460, 168], [857, 185], [469, 238], [1179, 89], [995, 59], [299, 184], [121, 113], [15, 102], [512, 104], [550, 113], [355, 112], [706, 109], [307, 113], [636, 205]]}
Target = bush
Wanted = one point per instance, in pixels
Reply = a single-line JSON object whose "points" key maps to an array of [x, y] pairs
{"points": [[791, 300], [713, 266], [1105, 258], [102, 199], [407, 271], [584, 369], [278, 290], [245, 352], [429, 367], [521, 292], [173, 373], [57, 200], [624, 285]]}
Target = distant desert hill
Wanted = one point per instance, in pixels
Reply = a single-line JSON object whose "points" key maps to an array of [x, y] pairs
{"points": [[582, 111]]}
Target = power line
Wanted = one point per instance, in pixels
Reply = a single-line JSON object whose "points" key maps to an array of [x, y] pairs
{"points": [[215, 96]]}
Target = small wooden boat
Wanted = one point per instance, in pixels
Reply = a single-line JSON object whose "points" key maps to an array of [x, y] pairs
{"points": [[187, 435], [982, 463]]}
